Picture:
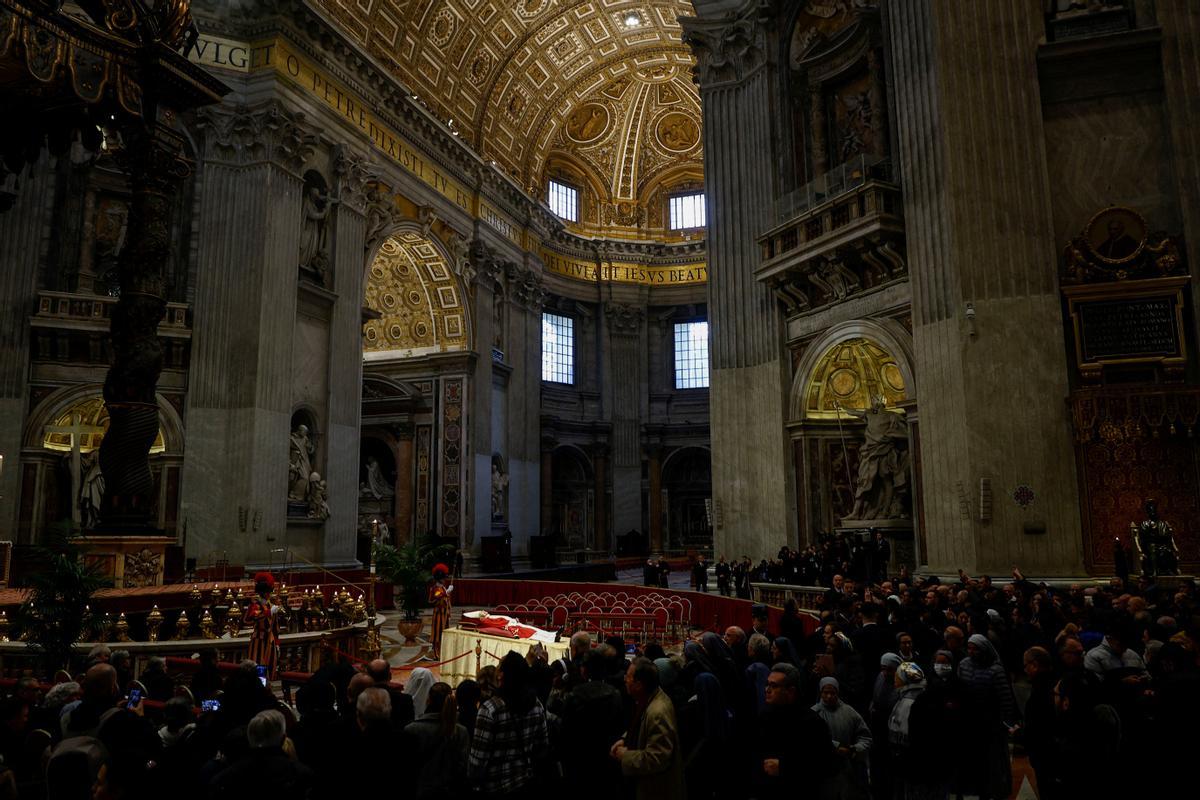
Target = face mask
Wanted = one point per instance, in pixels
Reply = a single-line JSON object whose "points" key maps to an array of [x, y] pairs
{"points": [[943, 669]]}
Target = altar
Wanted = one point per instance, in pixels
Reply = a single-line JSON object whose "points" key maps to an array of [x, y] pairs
{"points": [[458, 652]]}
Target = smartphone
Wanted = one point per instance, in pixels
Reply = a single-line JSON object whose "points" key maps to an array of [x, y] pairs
{"points": [[631, 649], [135, 697], [262, 675], [210, 705]]}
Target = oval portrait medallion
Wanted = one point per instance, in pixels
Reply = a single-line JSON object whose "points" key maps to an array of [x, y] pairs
{"points": [[677, 132], [1116, 234], [587, 123]]}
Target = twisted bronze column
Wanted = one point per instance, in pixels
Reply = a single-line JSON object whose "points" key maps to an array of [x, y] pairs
{"points": [[152, 159]]}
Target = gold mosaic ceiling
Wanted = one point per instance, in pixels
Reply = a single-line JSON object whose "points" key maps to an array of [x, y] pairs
{"points": [[417, 297], [523, 80], [851, 374]]}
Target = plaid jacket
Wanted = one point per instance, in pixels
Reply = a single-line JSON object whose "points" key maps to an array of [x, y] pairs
{"points": [[506, 746]]}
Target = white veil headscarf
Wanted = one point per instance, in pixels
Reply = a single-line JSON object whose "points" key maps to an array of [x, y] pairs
{"points": [[418, 686]]}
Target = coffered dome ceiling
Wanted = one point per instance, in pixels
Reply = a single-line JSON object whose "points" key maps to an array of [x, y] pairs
{"points": [[598, 89]]}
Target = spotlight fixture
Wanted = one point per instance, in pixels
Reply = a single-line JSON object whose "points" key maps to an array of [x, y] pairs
{"points": [[633, 19]]}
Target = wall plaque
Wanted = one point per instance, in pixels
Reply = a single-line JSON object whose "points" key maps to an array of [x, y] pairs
{"points": [[1128, 323], [1127, 328]]}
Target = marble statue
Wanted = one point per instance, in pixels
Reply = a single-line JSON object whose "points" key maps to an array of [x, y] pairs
{"points": [[300, 455], [318, 497], [376, 485], [883, 462], [313, 233], [91, 491], [499, 484], [1154, 540]]}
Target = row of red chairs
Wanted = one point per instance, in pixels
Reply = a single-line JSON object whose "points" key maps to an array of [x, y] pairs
{"points": [[638, 616]]}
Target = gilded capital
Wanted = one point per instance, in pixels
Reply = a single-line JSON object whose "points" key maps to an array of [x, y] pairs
{"points": [[353, 175], [728, 49], [264, 132]]}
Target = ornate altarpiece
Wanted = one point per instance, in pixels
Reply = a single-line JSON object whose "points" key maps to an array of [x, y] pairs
{"points": [[1135, 407]]}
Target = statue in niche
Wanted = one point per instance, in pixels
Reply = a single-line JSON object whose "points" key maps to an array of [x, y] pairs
{"points": [[376, 485], [314, 225], [300, 454], [855, 134], [498, 320], [881, 488], [1154, 540], [318, 497], [91, 491], [499, 489]]}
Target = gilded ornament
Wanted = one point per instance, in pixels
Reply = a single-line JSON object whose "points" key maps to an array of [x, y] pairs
{"points": [[207, 625], [154, 621], [121, 629]]}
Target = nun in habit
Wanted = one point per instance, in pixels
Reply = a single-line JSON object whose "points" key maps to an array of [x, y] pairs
{"points": [[850, 779]]}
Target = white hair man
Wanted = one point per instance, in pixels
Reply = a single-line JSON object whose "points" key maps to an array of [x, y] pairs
{"points": [[267, 769]]}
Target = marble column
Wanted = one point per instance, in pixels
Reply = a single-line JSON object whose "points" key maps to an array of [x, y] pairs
{"points": [[979, 230], [627, 388], [23, 233], [656, 526], [1180, 22], [488, 282], [547, 515], [240, 397], [735, 55], [402, 531], [524, 408], [352, 170], [600, 468]]}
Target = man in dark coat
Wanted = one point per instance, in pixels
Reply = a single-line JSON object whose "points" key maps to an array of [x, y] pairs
{"points": [[723, 573], [794, 752], [266, 769], [700, 575], [593, 717], [873, 639], [1038, 730]]}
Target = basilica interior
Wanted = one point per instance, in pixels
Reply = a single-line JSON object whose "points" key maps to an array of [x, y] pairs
{"points": [[560, 286], [721, 239]]}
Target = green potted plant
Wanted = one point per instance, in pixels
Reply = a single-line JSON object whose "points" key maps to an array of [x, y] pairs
{"points": [[407, 568], [56, 615]]}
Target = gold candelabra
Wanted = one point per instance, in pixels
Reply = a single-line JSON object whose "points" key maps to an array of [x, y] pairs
{"points": [[154, 621], [372, 647], [122, 628]]}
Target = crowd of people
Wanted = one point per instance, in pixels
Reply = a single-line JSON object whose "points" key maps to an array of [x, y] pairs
{"points": [[864, 556], [904, 689]]}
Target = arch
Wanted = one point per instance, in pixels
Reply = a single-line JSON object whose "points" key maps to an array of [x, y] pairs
{"points": [[421, 301], [680, 450], [888, 335], [88, 398], [572, 496], [578, 454], [565, 164], [687, 483], [306, 415]]}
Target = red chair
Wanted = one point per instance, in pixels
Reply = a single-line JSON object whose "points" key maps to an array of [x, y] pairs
{"points": [[558, 617], [661, 620]]}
